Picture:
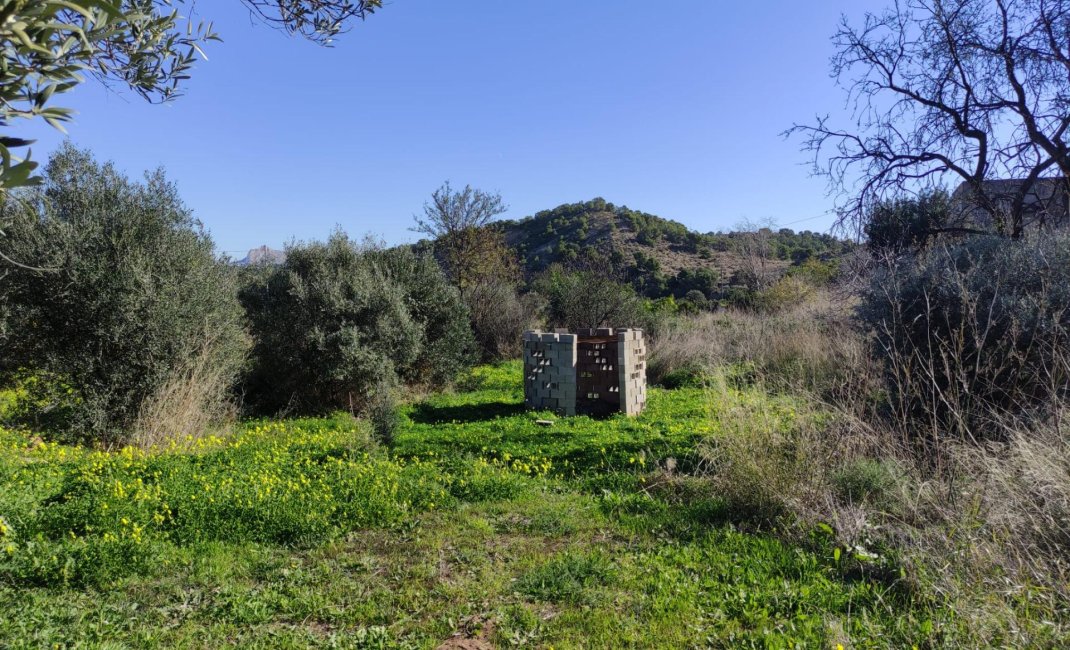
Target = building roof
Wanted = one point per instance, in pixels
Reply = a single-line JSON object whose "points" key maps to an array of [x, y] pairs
{"points": [[1046, 203]]}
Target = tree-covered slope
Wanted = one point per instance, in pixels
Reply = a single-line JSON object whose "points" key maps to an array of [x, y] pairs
{"points": [[660, 255]]}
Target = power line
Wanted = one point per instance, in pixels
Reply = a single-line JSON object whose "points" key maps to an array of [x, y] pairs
{"points": [[819, 216]]}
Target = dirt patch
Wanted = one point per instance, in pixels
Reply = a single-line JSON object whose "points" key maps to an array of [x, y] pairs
{"points": [[466, 644], [473, 635]]}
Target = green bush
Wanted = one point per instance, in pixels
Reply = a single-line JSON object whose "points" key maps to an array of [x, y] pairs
{"points": [[587, 299], [787, 292], [337, 322], [384, 414], [686, 281], [906, 224], [974, 329], [865, 480], [448, 345], [819, 273], [689, 376], [131, 294]]}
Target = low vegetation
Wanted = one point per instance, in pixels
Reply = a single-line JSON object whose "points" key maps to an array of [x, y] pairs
{"points": [[478, 524], [865, 450]]}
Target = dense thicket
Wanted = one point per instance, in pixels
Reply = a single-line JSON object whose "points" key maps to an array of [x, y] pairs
{"points": [[907, 223], [973, 329], [500, 314], [588, 298], [129, 294], [447, 343], [338, 322]]}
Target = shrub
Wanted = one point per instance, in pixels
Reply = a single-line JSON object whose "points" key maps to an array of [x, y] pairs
{"points": [[588, 299], [500, 315], [329, 328], [448, 346], [865, 479], [761, 453], [697, 300], [788, 291], [383, 413], [905, 224], [702, 280], [133, 296], [973, 329], [337, 322], [819, 273]]}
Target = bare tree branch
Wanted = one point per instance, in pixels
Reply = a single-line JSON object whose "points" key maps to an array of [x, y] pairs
{"points": [[965, 91]]}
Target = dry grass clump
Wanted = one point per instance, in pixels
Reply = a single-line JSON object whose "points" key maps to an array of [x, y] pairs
{"points": [[1008, 507], [806, 442], [760, 457], [195, 401], [812, 346], [984, 529]]}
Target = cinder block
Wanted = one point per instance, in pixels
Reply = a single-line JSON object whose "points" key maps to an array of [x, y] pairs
{"points": [[558, 375]]}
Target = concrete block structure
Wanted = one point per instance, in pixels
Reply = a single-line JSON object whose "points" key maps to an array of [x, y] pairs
{"points": [[589, 372]]}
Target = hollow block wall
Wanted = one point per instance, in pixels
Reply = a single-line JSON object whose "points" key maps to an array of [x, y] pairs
{"points": [[631, 359], [587, 371], [550, 371]]}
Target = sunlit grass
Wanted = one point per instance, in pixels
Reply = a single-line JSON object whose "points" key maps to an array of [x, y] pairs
{"points": [[479, 524]]}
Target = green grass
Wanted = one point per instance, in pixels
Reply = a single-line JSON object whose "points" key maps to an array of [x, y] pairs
{"points": [[7, 401], [478, 524]]}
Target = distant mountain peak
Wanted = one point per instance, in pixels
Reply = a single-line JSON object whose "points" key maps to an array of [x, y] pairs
{"points": [[263, 255]]}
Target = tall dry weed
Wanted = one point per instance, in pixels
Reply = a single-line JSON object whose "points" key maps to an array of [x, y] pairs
{"points": [[813, 347], [194, 401], [981, 528]]}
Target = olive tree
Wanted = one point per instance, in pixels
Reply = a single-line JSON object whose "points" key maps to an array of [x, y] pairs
{"points": [[339, 324], [137, 300]]}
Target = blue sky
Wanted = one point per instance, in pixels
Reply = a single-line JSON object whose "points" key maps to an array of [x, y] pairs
{"points": [[672, 108]]}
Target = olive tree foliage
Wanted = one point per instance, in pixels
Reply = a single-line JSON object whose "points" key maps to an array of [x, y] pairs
{"points": [[961, 91], [48, 47], [136, 297], [339, 323], [906, 224], [317, 20], [437, 307]]}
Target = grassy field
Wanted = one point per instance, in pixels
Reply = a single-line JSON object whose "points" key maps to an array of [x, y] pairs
{"points": [[479, 528]]}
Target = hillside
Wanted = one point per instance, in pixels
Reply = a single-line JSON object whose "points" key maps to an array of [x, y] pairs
{"points": [[661, 256]]}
